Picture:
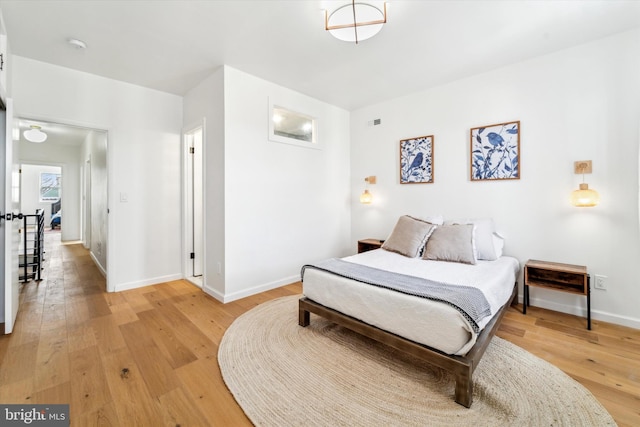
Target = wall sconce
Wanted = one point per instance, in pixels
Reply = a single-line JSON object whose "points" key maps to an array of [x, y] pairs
{"points": [[584, 197], [366, 197]]}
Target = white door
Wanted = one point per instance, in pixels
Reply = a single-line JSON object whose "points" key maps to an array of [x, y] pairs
{"points": [[87, 205], [194, 202], [9, 230]]}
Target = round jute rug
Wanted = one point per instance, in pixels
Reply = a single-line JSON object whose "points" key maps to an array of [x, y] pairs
{"points": [[282, 374]]}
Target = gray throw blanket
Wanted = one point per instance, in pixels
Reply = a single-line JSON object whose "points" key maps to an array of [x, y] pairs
{"points": [[469, 301]]}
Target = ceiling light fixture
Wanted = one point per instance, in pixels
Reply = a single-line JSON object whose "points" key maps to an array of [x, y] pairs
{"points": [[355, 22], [35, 134], [78, 44]]}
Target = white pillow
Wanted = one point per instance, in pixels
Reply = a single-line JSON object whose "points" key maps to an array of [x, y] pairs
{"points": [[498, 243], [433, 219], [488, 243]]}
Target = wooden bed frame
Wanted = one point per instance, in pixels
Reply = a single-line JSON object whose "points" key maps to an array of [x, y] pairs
{"points": [[461, 367]]}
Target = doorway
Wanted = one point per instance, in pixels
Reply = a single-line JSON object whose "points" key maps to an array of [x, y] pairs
{"points": [[9, 228], [86, 205], [81, 152], [194, 204], [41, 186]]}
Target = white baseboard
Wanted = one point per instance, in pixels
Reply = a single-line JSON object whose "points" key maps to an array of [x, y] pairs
{"points": [[147, 282], [225, 298], [213, 292], [97, 263], [582, 312]]}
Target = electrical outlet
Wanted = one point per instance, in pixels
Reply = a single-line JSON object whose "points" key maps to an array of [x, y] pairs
{"points": [[601, 282]]}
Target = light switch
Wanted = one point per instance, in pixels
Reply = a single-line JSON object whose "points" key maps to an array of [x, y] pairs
{"points": [[124, 197]]}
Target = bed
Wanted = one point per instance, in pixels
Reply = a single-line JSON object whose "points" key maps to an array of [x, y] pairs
{"points": [[359, 292]]}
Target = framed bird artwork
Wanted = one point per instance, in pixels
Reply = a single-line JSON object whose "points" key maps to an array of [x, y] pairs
{"points": [[416, 160], [495, 152]]}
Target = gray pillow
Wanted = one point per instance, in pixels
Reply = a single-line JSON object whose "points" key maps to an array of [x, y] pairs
{"points": [[453, 243], [485, 238], [408, 236]]}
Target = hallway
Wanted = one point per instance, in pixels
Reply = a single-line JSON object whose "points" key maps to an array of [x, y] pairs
{"points": [[139, 357]]}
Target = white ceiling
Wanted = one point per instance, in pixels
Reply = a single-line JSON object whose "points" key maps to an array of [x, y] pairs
{"points": [[172, 45]]}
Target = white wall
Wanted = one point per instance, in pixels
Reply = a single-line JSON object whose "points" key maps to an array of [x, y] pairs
{"points": [[30, 189], [270, 207], [577, 104], [284, 205], [68, 157], [94, 150], [206, 102], [143, 156]]}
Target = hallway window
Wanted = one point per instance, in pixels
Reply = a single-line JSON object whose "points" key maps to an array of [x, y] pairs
{"points": [[49, 186]]}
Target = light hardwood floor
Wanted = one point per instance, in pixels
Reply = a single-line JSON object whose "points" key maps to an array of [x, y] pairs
{"points": [[149, 356]]}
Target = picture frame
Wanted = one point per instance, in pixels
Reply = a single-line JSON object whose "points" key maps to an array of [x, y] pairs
{"points": [[416, 160], [292, 127], [494, 152], [50, 185]]}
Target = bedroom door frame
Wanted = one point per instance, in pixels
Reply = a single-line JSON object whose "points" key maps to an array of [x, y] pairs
{"points": [[86, 204], [193, 201], [10, 203]]}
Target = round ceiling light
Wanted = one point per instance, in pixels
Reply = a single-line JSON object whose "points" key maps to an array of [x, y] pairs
{"points": [[355, 22], [35, 134]]}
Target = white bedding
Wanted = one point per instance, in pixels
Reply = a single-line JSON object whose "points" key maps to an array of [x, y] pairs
{"points": [[428, 322]]}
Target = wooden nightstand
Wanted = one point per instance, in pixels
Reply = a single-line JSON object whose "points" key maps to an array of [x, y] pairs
{"points": [[369, 245], [560, 277]]}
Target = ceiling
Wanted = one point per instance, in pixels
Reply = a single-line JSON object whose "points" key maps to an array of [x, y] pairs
{"points": [[172, 45]]}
